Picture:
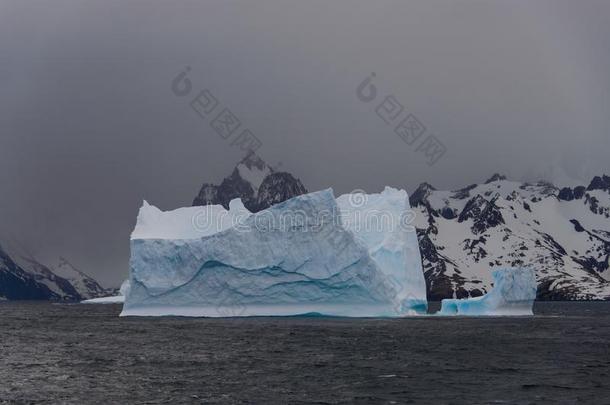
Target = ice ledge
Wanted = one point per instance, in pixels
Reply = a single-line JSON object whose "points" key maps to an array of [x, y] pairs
{"points": [[300, 309]]}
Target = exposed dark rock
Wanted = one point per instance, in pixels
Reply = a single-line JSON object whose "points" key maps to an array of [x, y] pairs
{"points": [[475, 248], [448, 213], [207, 195], [579, 192], [16, 284], [41, 273], [420, 196], [546, 188], [277, 188], [593, 265], [485, 214], [577, 226], [544, 292], [495, 177], [593, 203], [600, 183], [464, 192], [566, 194]]}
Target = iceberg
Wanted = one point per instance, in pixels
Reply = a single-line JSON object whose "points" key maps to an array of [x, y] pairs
{"points": [[513, 294], [307, 255], [111, 299]]}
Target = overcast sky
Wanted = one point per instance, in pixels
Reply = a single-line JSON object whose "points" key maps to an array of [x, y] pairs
{"points": [[89, 126]]}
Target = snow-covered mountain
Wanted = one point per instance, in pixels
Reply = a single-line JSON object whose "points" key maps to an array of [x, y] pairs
{"points": [[564, 234], [24, 277], [255, 182], [16, 283], [84, 284]]}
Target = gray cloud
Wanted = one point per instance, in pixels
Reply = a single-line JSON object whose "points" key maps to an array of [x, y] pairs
{"points": [[89, 126]]}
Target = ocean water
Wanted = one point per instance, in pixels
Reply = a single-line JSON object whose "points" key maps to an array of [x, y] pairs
{"points": [[74, 353]]}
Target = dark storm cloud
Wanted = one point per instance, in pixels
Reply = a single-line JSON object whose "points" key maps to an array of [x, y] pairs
{"points": [[90, 127]]}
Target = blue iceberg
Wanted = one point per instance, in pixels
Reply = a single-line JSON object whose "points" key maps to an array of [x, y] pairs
{"points": [[294, 258], [513, 294]]}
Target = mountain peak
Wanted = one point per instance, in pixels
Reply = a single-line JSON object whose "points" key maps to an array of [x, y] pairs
{"points": [[252, 161], [278, 187], [600, 183], [421, 194], [255, 183], [495, 177], [427, 186], [253, 170], [40, 281]]}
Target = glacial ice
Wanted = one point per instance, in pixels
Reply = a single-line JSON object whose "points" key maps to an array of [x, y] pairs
{"points": [[513, 293], [306, 255], [112, 299], [382, 223], [188, 222]]}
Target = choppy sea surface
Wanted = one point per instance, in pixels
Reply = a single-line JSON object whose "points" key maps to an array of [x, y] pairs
{"points": [[81, 354]]}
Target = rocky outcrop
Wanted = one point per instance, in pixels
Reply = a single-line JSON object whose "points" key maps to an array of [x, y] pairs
{"points": [[257, 184], [504, 223]]}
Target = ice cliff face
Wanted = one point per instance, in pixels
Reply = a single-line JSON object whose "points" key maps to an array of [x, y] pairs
{"points": [[513, 293], [382, 223], [296, 257]]}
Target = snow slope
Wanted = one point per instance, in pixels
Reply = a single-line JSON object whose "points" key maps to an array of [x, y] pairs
{"points": [[564, 235], [64, 281], [16, 283], [85, 285]]}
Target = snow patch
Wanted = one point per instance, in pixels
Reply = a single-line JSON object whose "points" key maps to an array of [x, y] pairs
{"points": [[253, 175]]}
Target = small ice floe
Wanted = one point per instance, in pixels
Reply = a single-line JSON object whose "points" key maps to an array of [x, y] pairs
{"points": [[513, 294], [115, 299]]}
